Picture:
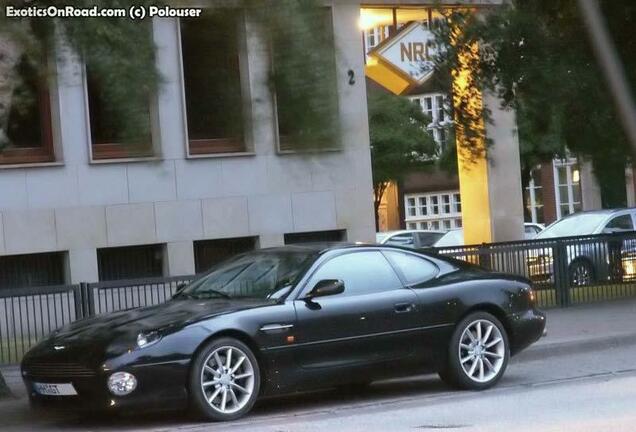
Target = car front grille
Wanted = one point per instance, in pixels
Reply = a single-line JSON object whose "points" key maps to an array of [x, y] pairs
{"points": [[58, 370]]}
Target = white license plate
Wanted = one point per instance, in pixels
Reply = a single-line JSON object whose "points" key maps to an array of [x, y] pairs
{"points": [[47, 389]]}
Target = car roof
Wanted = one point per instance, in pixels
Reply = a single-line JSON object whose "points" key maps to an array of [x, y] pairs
{"points": [[322, 247], [391, 233], [603, 211]]}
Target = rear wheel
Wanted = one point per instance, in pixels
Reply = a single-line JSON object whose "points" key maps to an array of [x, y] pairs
{"points": [[224, 380], [478, 353], [581, 273]]}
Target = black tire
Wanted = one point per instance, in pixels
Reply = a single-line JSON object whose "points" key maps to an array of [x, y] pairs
{"points": [[453, 372], [199, 400], [581, 273]]}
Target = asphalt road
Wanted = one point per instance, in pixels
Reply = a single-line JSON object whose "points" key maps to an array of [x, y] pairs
{"points": [[594, 390]]}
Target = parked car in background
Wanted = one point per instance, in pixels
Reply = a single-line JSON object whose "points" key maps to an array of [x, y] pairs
{"points": [[456, 237], [289, 319], [414, 239], [587, 260], [530, 230], [452, 238]]}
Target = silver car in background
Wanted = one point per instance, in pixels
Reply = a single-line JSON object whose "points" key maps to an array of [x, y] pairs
{"points": [[587, 260], [409, 238]]}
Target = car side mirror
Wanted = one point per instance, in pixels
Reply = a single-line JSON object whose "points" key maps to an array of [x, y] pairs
{"points": [[327, 287]]}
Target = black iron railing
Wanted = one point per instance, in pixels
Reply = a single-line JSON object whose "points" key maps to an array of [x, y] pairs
{"points": [[565, 271], [29, 314]]}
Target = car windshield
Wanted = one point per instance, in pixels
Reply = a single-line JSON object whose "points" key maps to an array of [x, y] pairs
{"points": [[253, 275], [581, 224]]}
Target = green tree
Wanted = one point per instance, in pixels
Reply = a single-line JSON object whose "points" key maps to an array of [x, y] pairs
{"points": [[537, 57], [399, 141]]}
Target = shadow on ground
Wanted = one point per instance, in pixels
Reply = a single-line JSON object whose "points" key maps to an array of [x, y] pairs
{"points": [[314, 402]]}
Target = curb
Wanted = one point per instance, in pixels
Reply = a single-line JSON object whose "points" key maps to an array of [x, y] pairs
{"points": [[578, 346]]}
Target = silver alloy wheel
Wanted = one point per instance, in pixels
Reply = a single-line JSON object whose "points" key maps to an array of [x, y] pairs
{"points": [[581, 275], [481, 351], [227, 379]]}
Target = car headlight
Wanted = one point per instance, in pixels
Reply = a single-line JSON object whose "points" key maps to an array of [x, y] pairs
{"points": [[122, 383], [148, 338]]}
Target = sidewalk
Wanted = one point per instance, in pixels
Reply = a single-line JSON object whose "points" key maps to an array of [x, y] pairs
{"points": [[576, 329]]}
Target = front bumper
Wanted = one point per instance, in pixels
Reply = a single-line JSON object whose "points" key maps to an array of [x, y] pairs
{"points": [[160, 387]]}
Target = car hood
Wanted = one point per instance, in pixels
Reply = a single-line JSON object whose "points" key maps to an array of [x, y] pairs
{"points": [[101, 330]]}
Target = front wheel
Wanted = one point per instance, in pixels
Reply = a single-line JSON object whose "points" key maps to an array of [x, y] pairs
{"points": [[224, 380], [478, 353]]}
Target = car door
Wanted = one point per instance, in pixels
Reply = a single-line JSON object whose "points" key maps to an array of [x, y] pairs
{"points": [[436, 304], [370, 322]]}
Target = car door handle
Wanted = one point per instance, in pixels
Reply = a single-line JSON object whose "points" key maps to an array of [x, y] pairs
{"points": [[404, 307]]}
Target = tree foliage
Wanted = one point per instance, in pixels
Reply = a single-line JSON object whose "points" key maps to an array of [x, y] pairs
{"points": [[536, 56], [399, 140]]}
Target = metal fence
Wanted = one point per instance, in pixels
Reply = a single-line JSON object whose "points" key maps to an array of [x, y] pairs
{"points": [[28, 314], [566, 270]]}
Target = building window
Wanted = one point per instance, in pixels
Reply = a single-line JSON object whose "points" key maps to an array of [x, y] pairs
{"points": [[316, 236], [107, 123], [32, 270], [306, 99], [374, 36], [130, 262], [436, 107], [534, 197], [211, 56], [567, 179], [27, 135], [434, 211], [208, 253]]}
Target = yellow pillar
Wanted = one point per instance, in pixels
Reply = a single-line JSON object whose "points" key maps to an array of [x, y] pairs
{"points": [[471, 152]]}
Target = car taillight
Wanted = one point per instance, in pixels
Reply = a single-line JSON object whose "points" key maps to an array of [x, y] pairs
{"points": [[532, 296]]}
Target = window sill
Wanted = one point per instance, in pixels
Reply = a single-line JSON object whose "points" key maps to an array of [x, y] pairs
{"points": [[125, 160], [308, 151], [220, 155], [31, 165]]}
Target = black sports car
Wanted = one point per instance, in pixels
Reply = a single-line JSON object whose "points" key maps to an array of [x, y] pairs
{"points": [[287, 319]]}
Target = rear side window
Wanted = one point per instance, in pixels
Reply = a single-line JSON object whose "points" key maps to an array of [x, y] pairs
{"points": [[405, 240], [428, 239], [620, 223], [415, 269]]}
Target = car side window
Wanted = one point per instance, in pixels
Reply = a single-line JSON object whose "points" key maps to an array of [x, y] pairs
{"points": [[428, 239], [620, 223], [362, 273], [405, 240], [414, 269]]}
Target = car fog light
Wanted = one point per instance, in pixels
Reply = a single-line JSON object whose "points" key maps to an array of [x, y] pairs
{"points": [[122, 383]]}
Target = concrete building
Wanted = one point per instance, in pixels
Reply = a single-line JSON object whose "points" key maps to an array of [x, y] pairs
{"points": [[74, 208]]}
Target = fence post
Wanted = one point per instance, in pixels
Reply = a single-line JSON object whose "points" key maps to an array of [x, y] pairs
{"points": [[78, 299], [560, 273], [483, 256]]}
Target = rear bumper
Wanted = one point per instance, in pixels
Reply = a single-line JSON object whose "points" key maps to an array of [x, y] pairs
{"points": [[527, 328]]}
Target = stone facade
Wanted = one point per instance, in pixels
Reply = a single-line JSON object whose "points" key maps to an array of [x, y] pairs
{"points": [[77, 205]]}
